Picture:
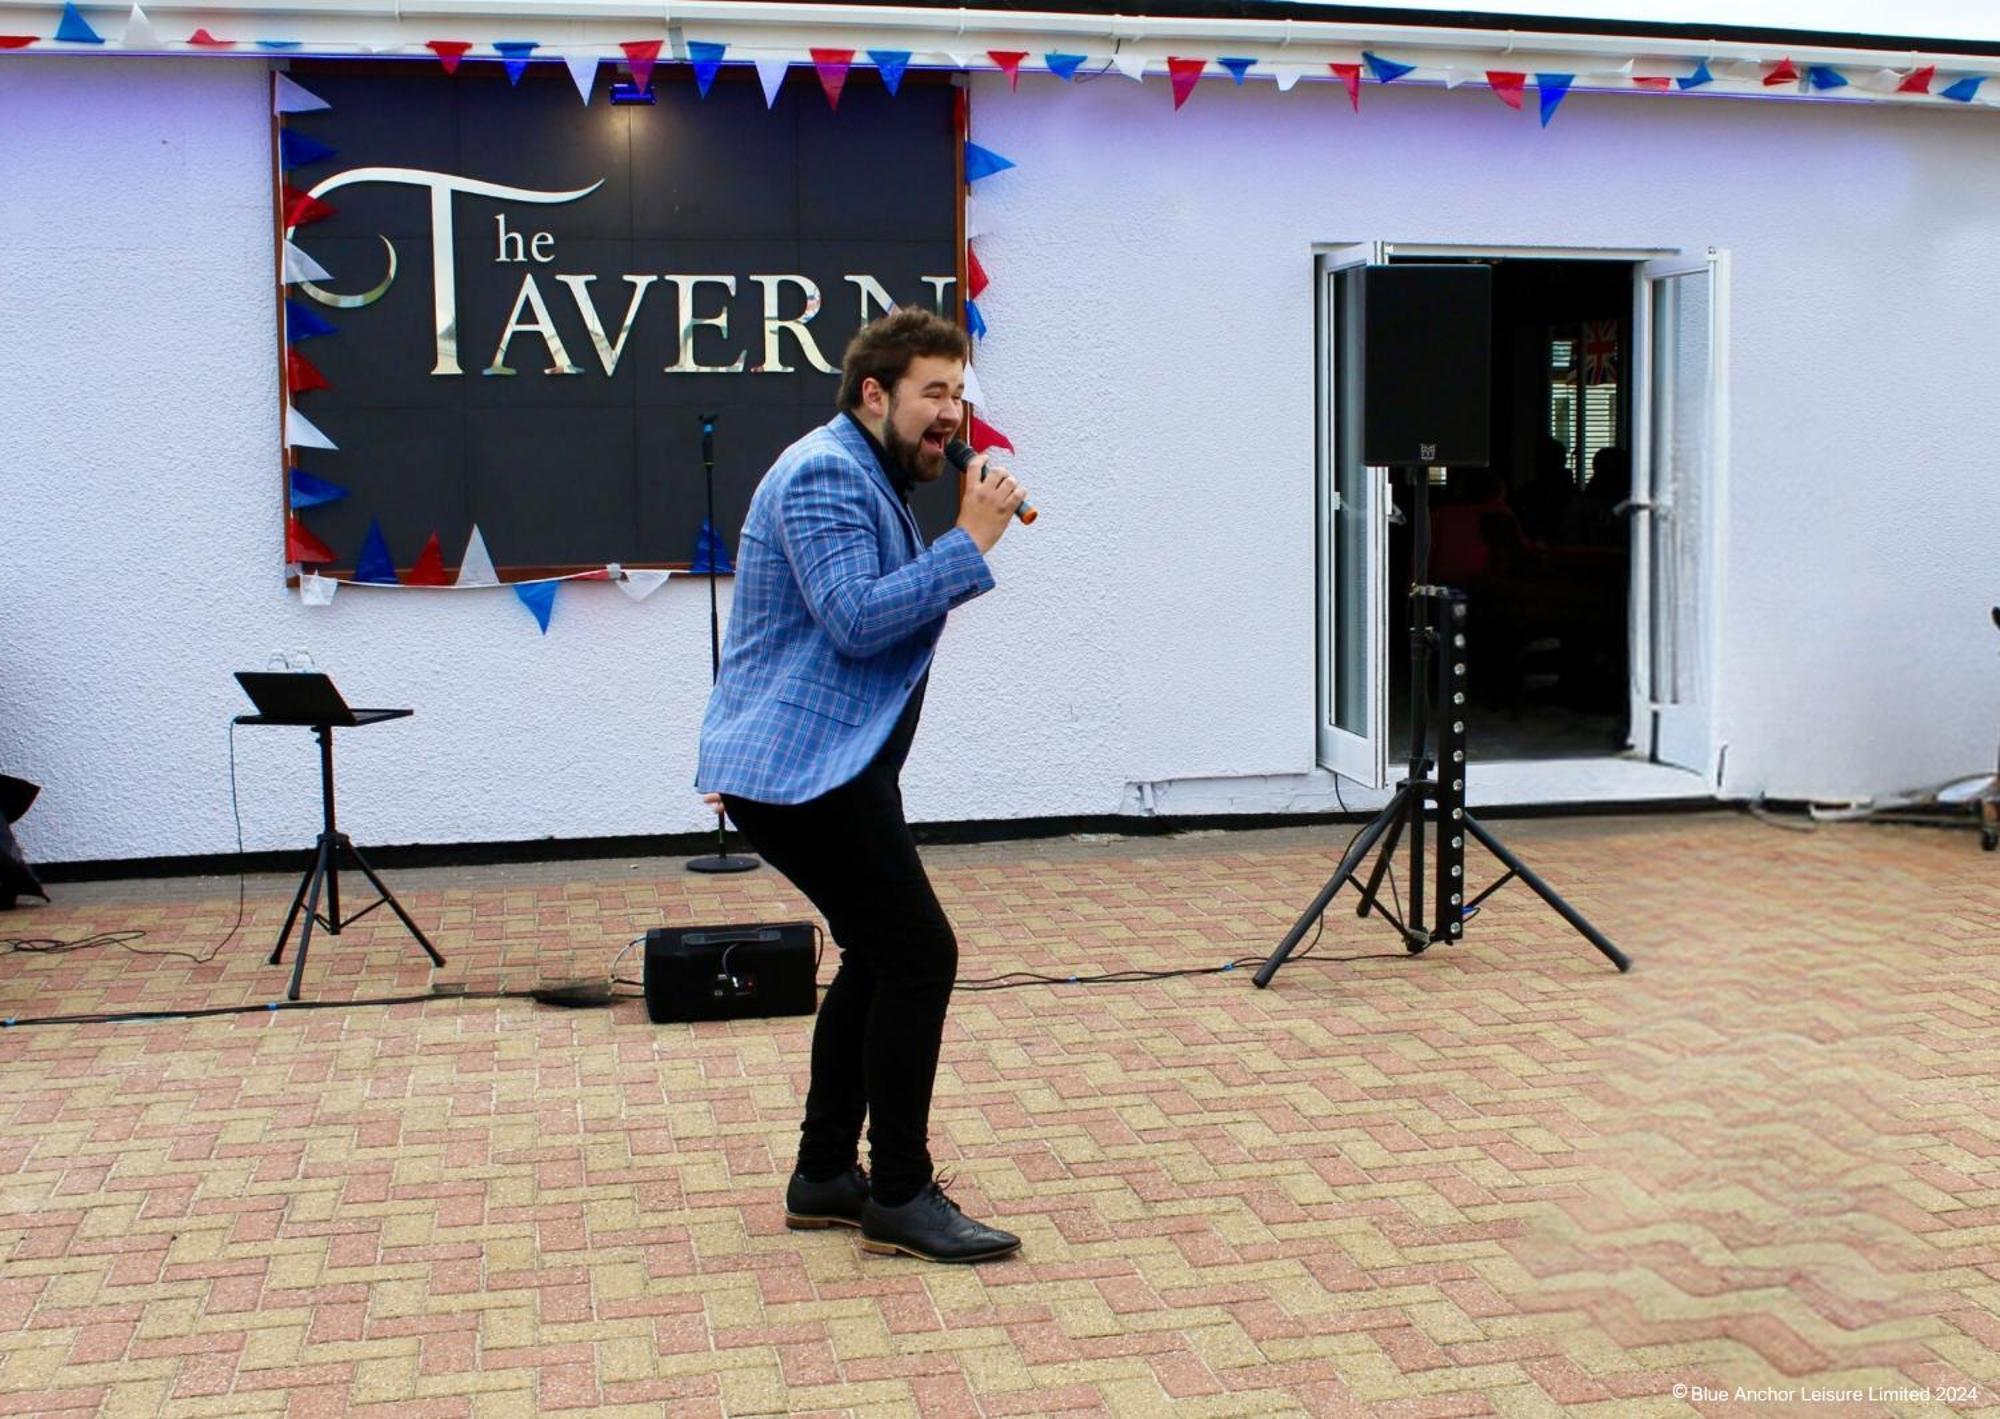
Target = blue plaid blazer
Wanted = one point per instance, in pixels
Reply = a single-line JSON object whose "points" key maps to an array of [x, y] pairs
{"points": [[838, 608]]}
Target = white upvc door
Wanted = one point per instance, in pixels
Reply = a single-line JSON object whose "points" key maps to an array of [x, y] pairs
{"points": [[1680, 459], [1353, 522]]}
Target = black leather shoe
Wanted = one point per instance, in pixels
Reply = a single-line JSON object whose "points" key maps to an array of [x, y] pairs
{"points": [[931, 1226], [837, 1202]]}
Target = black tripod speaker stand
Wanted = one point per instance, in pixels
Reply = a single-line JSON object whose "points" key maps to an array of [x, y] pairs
{"points": [[722, 860], [1426, 800]]}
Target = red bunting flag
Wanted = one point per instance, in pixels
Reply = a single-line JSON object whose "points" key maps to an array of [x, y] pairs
{"points": [[1009, 61], [448, 51], [641, 55], [1183, 73], [302, 547], [1350, 77], [1658, 83], [832, 65], [1507, 86], [985, 436], [429, 570], [302, 374], [1783, 72], [16, 41], [301, 209], [1918, 81], [975, 274], [208, 41]]}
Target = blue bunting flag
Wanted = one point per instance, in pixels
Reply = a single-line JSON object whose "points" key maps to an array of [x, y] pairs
{"points": [[983, 162], [706, 59], [711, 553], [540, 598], [890, 63], [374, 564], [1554, 88], [1384, 71]]}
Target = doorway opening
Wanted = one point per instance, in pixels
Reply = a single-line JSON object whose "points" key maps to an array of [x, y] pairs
{"points": [[1539, 540]]}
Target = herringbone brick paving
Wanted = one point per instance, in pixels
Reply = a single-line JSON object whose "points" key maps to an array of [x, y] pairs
{"points": [[1499, 1177]]}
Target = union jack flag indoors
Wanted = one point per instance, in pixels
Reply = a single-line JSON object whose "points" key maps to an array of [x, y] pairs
{"points": [[1599, 362]]}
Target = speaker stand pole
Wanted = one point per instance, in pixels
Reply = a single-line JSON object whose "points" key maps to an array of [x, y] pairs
{"points": [[1424, 793], [722, 860]]}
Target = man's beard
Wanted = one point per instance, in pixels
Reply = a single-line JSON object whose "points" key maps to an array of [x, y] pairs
{"points": [[909, 457]]}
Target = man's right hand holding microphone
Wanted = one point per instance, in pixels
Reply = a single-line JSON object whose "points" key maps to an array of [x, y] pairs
{"points": [[989, 498]]}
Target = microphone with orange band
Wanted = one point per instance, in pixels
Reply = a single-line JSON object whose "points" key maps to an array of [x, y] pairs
{"points": [[959, 454]]}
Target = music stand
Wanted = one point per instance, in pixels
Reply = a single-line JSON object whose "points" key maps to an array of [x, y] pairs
{"points": [[309, 700]]}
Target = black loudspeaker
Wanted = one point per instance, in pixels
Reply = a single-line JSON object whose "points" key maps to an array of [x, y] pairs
{"points": [[1426, 383], [731, 972]]}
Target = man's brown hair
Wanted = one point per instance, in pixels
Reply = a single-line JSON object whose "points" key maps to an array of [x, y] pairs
{"points": [[882, 349]]}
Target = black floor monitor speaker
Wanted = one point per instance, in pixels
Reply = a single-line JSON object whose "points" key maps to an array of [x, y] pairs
{"points": [[731, 972], [1426, 366]]}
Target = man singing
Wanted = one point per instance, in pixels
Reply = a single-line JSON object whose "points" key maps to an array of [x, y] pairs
{"points": [[838, 608]]}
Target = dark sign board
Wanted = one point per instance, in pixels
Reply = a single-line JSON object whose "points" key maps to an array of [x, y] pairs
{"points": [[570, 288]]}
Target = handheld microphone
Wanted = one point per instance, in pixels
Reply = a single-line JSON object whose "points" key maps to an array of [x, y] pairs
{"points": [[958, 453]]}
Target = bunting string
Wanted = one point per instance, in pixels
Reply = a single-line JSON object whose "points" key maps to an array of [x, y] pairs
{"points": [[66, 29]]}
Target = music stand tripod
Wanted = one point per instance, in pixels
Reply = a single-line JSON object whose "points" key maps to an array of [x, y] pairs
{"points": [[324, 871], [1423, 796]]}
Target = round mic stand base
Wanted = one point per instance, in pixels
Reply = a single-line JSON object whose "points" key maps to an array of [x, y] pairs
{"points": [[721, 863]]}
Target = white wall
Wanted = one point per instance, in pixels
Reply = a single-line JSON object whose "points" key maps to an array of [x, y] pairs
{"points": [[1151, 353], [1152, 335]]}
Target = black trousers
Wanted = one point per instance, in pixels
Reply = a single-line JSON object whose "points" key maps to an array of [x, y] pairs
{"points": [[875, 1045]]}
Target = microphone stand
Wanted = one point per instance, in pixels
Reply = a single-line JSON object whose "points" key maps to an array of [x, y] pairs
{"points": [[722, 861]]}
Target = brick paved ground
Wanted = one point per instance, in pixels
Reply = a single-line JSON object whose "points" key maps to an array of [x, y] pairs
{"points": [[1500, 1177]]}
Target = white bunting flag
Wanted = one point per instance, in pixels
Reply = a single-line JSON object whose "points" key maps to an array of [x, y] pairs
{"points": [[293, 98], [1132, 66], [139, 32], [317, 590], [583, 71], [1288, 75], [300, 267], [476, 569], [771, 73], [300, 433], [973, 393], [641, 582]]}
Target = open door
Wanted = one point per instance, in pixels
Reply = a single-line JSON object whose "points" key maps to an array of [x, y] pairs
{"points": [[1680, 406], [1353, 508]]}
